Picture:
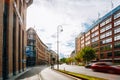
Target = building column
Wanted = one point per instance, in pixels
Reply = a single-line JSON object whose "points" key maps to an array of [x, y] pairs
{"points": [[20, 48], [112, 19], [1, 35], [10, 38]]}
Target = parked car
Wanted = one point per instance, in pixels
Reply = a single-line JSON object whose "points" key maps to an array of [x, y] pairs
{"points": [[105, 67]]}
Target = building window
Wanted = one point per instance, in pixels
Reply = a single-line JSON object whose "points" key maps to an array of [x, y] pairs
{"points": [[109, 54], [95, 39], [31, 36], [108, 20], [87, 43], [102, 30], [117, 45], [102, 24], [117, 15], [106, 40], [117, 37], [117, 53], [94, 44], [82, 45], [105, 22], [106, 47], [117, 30], [106, 28], [102, 36], [102, 55], [116, 23], [82, 37], [94, 29], [87, 33], [95, 34], [106, 34], [82, 41], [87, 38]]}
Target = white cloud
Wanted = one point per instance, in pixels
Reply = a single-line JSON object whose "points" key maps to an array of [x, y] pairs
{"points": [[46, 15]]}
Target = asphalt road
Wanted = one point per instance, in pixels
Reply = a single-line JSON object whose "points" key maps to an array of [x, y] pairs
{"points": [[83, 70]]}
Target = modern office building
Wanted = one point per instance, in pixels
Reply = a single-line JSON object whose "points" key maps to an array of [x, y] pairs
{"points": [[12, 37], [104, 36], [37, 52]]}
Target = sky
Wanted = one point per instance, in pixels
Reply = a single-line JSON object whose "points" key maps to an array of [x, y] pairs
{"points": [[75, 16]]}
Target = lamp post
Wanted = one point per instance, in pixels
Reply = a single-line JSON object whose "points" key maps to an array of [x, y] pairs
{"points": [[59, 29]]}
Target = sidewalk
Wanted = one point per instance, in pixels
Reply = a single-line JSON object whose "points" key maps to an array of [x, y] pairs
{"points": [[19, 74], [49, 74]]}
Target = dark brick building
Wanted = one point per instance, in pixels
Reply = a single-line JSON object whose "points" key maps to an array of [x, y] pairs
{"points": [[12, 37], [104, 36]]}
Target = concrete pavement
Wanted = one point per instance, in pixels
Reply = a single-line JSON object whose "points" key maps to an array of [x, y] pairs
{"points": [[49, 74]]}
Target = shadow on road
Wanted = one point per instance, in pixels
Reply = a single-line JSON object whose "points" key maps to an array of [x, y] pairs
{"points": [[33, 72]]}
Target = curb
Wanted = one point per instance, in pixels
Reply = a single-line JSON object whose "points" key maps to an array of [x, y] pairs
{"points": [[67, 75]]}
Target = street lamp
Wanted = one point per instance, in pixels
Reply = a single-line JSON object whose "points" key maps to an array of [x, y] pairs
{"points": [[59, 29]]}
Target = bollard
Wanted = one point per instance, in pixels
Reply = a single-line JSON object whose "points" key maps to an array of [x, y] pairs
{"points": [[64, 68]]}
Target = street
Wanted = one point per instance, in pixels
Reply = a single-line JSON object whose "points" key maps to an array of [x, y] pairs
{"points": [[83, 70], [46, 73]]}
